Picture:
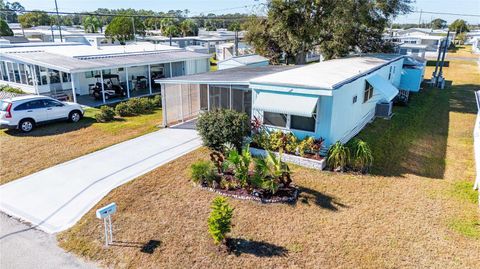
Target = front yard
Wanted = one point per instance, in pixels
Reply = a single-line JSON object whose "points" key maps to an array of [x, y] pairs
{"points": [[23, 154], [417, 209]]}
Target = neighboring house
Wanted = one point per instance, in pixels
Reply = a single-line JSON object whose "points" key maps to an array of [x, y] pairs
{"points": [[225, 51], [332, 99], [13, 39], [71, 71], [414, 50], [196, 48], [475, 44], [245, 60]]}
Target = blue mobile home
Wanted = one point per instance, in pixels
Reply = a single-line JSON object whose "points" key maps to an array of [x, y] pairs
{"points": [[333, 99]]}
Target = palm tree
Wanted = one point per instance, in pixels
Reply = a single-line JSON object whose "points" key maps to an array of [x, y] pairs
{"points": [[187, 27], [170, 31], [164, 23]]}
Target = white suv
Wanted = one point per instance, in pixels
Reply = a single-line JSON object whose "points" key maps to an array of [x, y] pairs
{"points": [[24, 112]]}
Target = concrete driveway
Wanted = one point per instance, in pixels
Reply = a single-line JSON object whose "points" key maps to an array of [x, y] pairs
{"points": [[54, 199]]}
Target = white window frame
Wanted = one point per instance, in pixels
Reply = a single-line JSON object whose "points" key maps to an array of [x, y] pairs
{"points": [[288, 123]]}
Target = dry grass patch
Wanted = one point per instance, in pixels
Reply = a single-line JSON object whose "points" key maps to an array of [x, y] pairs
{"points": [[414, 211], [462, 51], [23, 154]]}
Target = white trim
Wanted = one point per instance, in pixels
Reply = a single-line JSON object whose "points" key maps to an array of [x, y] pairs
{"points": [[103, 86], [128, 82], [74, 93], [149, 79]]}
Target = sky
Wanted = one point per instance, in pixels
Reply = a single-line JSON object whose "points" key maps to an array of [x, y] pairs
{"points": [[252, 6]]}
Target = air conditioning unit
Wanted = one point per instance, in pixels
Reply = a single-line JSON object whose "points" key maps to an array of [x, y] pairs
{"points": [[384, 110]]}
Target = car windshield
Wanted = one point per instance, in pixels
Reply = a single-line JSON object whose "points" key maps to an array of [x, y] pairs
{"points": [[3, 105]]}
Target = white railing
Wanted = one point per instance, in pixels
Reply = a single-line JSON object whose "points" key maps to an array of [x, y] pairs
{"points": [[476, 145]]}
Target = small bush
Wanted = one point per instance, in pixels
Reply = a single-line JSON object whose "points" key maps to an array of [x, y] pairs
{"points": [[157, 100], [6, 88], [306, 146], [106, 114], [203, 171], [362, 157], [220, 220], [218, 127], [123, 110], [338, 156]]}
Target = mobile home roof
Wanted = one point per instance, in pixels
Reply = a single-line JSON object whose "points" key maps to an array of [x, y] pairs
{"points": [[329, 74]]}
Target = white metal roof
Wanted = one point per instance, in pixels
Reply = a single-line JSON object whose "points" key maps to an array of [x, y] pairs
{"points": [[327, 75], [82, 58], [286, 104], [246, 59]]}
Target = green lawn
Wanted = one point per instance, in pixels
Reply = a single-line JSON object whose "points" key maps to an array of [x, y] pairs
{"points": [[56, 143]]}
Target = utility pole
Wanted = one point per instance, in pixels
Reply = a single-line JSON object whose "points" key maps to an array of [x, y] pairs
{"points": [[58, 22], [236, 42], [440, 74], [133, 27], [420, 18]]}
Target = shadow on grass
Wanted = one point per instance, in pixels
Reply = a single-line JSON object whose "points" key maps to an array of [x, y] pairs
{"points": [[320, 199], [239, 246], [148, 247], [54, 128]]}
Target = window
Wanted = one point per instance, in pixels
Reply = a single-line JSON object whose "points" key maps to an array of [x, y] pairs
{"points": [[415, 50], [302, 123], [66, 77], [275, 119], [30, 105], [354, 99], [368, 92], [52, 103], [389, 73]]}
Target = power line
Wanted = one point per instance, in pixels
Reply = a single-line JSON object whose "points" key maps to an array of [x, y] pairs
{"points": [[129, 15], [446, 13]]}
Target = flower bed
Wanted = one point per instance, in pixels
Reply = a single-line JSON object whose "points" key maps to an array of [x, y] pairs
{"points": [[318, 163], [264, 179]]}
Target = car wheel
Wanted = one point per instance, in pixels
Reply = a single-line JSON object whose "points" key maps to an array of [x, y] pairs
{"points": [[75, 116], [26, 125]]}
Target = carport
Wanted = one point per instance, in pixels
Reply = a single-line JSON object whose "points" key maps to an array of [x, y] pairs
{"points": [[185, 97]]}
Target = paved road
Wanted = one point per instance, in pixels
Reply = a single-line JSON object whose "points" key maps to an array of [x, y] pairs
{"points": [[23, 247], [54, 199]]}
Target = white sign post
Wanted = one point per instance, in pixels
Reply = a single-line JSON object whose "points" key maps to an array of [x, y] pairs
{"points": [[105, 213]]}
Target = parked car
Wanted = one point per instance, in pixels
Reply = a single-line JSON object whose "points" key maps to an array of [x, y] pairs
{"points": [[25, 112]]}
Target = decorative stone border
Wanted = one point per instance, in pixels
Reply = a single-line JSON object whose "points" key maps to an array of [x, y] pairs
{"points": [[301, 161], [291, 199]]}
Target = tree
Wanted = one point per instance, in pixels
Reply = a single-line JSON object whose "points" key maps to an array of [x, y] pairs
{"points": [[459, 26], [292, 28], [14, 7], [164, 23], [187, 27], [439, 23], [170, 31], [234, 27], [34, 18], [5, 29], [220, 220], [91, 24], [121, 28]]}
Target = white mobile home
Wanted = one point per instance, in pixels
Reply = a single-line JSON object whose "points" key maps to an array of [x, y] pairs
{"points": [[73, 71]]}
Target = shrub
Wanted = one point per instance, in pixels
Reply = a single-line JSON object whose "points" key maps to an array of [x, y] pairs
{"points": [[240, 164], [362, 157], [203, 171], [157, 100], [306, 146], [338, 156], [6, 88], [261, 140], [123, 110], [278, 141], [220, 220], [270, 172], [106, 114], [218, 127]]}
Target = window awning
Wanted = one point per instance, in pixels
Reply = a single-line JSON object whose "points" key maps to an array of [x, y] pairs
{"points": [[384, 86], [286, 104]]}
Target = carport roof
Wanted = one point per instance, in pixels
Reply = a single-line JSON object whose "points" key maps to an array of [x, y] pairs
{"points": [[88, 63], [237, 75]]}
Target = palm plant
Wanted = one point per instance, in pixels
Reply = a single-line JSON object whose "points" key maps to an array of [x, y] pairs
{"points": [[91, 24], [186, 27], [362, 157], [240, 163], [270, 172], [338, 156]]}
